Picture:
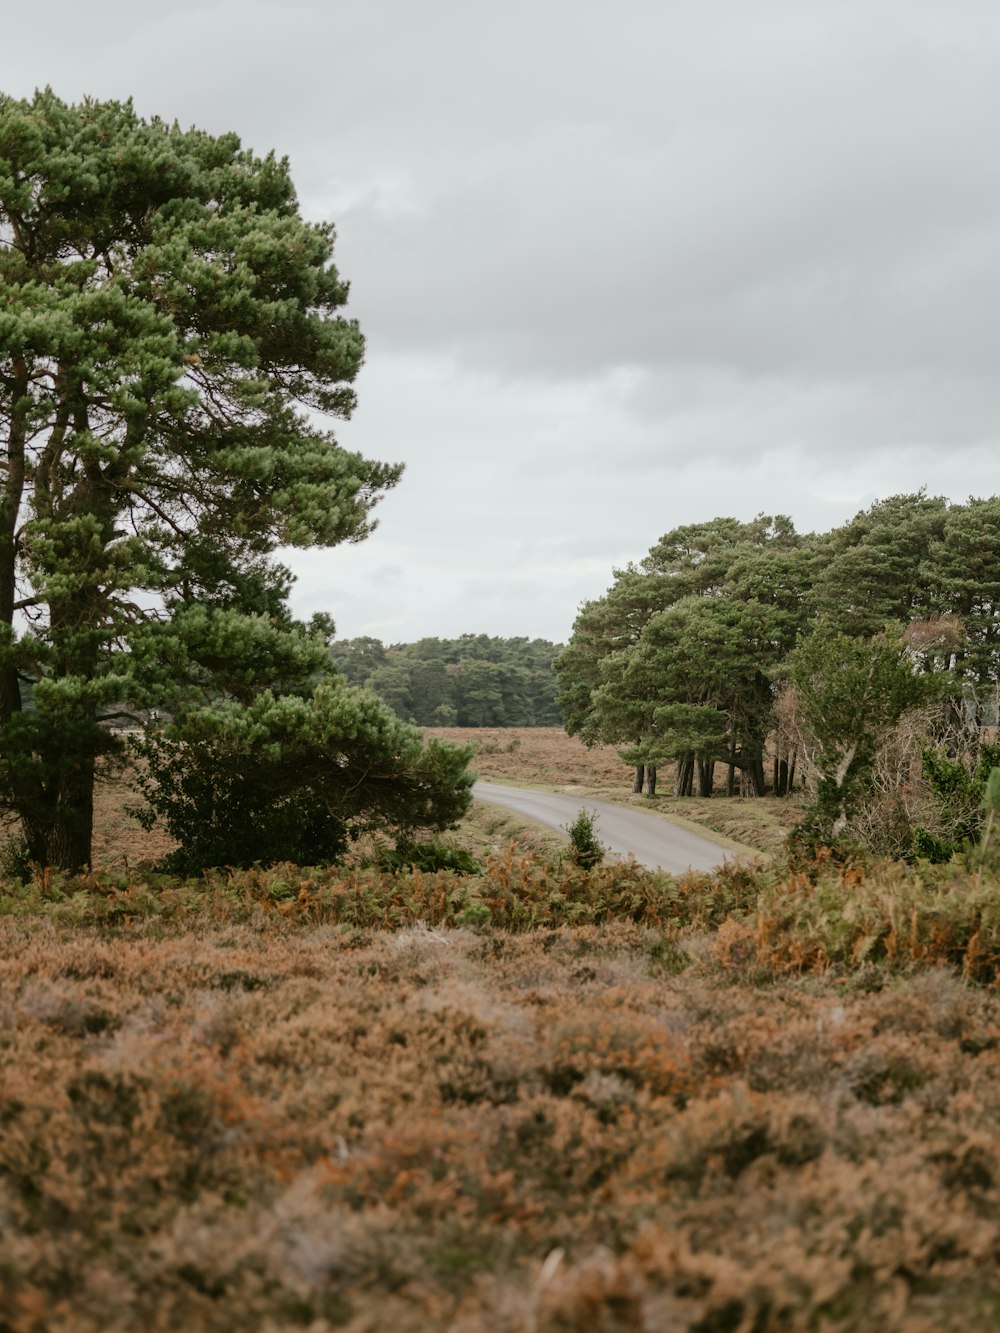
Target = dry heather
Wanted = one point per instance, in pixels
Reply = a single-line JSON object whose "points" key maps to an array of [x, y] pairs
{"points": [[541, 755], [536, 1101]]}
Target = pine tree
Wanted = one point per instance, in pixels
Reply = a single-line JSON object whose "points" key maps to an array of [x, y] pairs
{"points": [[171, 353]]}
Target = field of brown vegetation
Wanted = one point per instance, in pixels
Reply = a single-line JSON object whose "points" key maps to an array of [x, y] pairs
{"points": [[533, 1100], [540, 755]]}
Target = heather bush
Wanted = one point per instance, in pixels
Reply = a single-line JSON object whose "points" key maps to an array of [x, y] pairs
{"points": [[892, 917], [213, 1120]]}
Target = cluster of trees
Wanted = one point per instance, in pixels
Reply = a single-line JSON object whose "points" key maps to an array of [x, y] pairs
{"points": [[731, 635], [171, 347], [472, 681]]}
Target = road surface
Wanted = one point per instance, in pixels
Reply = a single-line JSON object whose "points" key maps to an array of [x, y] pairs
{"points": [[654, 842]]}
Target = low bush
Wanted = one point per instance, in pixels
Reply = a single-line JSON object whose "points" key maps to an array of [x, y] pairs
{"points": [[429, 856], [586, 849]]}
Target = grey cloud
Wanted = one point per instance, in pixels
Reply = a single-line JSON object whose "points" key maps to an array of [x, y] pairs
{"points": [[561, 189], [621, 266]]}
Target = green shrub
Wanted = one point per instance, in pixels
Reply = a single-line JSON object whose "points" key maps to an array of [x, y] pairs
{"points": [[962, 800], [585, 848], [430, 856], [290, 778], [15, 862]]}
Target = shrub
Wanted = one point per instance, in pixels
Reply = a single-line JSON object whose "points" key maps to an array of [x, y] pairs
{"points": [[15, 861], [585, 848], [430, 856], [962, 803], [292, 778]]}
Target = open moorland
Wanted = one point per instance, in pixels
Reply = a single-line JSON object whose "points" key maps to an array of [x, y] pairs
{"points": [[536, 1099]]}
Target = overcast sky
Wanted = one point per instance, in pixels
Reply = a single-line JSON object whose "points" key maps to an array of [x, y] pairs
{"points": [[620, 266]]}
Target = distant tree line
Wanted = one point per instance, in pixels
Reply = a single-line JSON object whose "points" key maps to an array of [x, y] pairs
{"points": [[732, 639], [472, 681]]}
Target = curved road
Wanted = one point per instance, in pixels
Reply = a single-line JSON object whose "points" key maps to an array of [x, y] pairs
{"points": [[654, 842]]}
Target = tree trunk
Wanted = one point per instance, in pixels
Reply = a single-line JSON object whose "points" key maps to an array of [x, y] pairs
{"points": [[58, 815], [731, 778], [640, 774], [782, 787], [10, 690], [59, 831], [685, 775], [650, 779], [791, 773], [706, 776], [62, 821], [20, 787], [11, 494], [73, 828], [751, 782]]}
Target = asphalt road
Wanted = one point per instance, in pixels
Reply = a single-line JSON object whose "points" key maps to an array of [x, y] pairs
{"points": [[654, 842]]}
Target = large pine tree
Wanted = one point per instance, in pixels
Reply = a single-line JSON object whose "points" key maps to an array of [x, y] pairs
{"points": [[171, 354]]}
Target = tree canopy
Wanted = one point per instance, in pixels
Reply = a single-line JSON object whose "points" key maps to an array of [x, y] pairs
{"points": [[172, 353], [685, 655], [695, 629], [473, 681]]}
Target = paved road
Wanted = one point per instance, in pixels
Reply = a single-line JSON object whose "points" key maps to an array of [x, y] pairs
{"points": [[654, 842]]}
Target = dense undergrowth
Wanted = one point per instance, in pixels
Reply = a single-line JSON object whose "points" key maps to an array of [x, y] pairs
{"points": [[535, 1099], [830, 917]]}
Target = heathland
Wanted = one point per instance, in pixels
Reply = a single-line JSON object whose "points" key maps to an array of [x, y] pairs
{"points": [[359, 1080], [532, 1098]]}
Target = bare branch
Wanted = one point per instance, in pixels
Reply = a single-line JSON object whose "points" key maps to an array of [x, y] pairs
{"points": [[132, 489]]}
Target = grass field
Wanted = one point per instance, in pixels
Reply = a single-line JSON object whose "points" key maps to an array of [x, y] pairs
{"points": [[536, 1100]]}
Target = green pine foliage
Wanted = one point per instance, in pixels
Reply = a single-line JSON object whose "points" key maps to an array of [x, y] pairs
{"points": [[732, 639], [676, 662], [473, 681], [295, 778], [173, 354], [586, 849]]}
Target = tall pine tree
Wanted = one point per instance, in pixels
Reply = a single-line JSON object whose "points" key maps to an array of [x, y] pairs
{"points": [[171, 353]]}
